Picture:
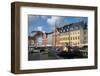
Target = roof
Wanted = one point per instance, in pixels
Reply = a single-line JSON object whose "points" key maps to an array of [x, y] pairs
{"points": [[73, 26]]}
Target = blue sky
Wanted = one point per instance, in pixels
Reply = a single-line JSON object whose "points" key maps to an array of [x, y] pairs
{"points": [[48, 23]]}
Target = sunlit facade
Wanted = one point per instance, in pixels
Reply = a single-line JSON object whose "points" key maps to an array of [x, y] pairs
{"points": [[74, 34]]}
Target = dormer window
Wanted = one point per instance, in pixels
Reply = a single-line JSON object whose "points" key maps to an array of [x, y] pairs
{"points": [[71, 28], [77, 27]]}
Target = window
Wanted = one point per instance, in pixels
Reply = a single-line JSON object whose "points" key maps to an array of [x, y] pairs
{"points": [[84, 32], [78, 32], [68, 26], [71, 28], [76, 27], [78, 37], [67, 29], [84, 38], [61, 30], [73, 38], [64, 30], [68, 38]]}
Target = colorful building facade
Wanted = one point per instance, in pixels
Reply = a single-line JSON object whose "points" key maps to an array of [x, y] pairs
{"points": [[74, 34]]}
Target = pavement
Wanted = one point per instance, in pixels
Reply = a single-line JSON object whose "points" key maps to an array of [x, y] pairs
{"points": [[42, 56], [51, 54]]}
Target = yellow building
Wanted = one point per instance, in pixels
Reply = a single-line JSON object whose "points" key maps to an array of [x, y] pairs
{"points": [[64, 37], [72, 34], [75, 37]]}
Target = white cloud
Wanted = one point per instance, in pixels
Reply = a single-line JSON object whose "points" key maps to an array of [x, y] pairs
{"points": [[39, 28], [54, 21], [43, 31]]}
